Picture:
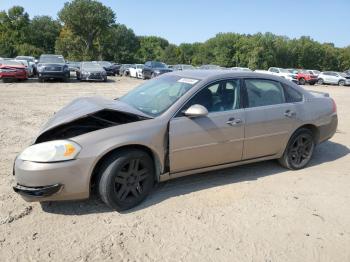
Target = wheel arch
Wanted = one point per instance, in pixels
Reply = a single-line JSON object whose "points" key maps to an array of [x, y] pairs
{"points": [[95, 171], [313, 128]]}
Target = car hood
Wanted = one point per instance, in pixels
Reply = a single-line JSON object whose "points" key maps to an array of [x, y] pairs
{"points": [[82, 107]]}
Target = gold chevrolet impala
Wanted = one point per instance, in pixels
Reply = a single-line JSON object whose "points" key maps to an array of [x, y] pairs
{"points": [[178, 124]]}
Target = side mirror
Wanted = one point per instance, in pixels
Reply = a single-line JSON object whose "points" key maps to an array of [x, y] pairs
{"points": [[196, 111]]}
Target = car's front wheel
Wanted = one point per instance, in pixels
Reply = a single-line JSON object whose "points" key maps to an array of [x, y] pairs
{"points": [[126, 178], [299, 150]]}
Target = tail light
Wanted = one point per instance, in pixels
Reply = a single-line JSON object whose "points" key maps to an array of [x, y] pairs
{"points": [[334, 107]]}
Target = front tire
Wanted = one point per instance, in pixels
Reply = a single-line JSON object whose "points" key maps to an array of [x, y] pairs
{"points": [[299, 150], [126, 178], [302, 81]]}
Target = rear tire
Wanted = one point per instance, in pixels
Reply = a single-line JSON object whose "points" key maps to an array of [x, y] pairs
{"points": [[126, 178], [299, 150]]}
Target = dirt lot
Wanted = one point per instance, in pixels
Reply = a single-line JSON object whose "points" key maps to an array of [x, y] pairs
{"points": [[258, 212]]}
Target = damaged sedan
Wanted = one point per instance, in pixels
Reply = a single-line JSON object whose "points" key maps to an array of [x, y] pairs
{"points": [[178, 124]]}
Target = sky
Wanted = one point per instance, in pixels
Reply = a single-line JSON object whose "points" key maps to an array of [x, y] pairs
{"points": [[198, 20]]}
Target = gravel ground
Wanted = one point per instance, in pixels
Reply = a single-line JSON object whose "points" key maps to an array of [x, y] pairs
{"points": [[257, 212]]}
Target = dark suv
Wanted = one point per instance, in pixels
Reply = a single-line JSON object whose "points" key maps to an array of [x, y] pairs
{"points": [[154, 68], [52, 67]]}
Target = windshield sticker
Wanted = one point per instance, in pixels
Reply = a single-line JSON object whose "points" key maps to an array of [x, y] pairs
{"points": [[187, 81]]}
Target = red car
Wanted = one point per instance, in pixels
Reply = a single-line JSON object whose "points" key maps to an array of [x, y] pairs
{"points": [[304, 76], [10, 70]]}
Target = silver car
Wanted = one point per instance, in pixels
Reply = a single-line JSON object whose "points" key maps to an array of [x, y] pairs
{"points": [[178, 124], [335, 78]]}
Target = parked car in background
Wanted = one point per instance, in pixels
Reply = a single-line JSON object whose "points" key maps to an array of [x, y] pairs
{"points": [[52, 67], [110, 68], [12, 70], [210, 67], [73, 66], [31, 61], [179, 124], [241, 69], [304, 76], [314, 72], [347, 72], [117, 67], [277, 71], [182, 67], [335, 78], [124, 69], [29, 69], [154, 68], [90, 71], [136, 70]]}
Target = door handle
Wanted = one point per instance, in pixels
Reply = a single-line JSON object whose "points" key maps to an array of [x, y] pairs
{"points": [[233, 121], [290, 113]]}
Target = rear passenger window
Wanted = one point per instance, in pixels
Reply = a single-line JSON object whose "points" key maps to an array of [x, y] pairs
{"points": [[261, 92], [292, 95]]}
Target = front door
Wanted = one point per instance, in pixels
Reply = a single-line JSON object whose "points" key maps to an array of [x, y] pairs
{"points": [[269, 117], [211, 140]]}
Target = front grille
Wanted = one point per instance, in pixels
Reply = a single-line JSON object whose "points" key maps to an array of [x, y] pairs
{"points": [[53, 69], [95, 76]]}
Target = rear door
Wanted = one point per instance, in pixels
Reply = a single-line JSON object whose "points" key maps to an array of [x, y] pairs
{"points": [[211, 140], [270, 117]]}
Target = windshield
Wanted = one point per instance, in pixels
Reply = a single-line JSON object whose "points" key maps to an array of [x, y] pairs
{"points": [[156, 96], [284, 70], [52, 59], [104, 63], [159, 65], [140, 66], [91, 66], [29, 59]]}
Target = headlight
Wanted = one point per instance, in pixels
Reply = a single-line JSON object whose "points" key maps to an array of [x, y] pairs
{"points": [[53, 151], [157, 71], [40, 68]]}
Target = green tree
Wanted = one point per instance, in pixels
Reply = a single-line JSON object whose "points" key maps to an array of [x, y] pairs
{"points": [[151, 48], [119, 44], [13, 30], [43, 32], [88, 20]]}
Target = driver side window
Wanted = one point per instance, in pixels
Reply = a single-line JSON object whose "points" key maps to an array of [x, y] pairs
{"points": [[217, 97]]}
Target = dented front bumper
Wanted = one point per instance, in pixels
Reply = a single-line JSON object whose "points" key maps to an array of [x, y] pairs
{"points": [[52, 181]]}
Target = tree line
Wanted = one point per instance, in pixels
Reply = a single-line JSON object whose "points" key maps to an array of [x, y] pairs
{"points": [[88, 30]]}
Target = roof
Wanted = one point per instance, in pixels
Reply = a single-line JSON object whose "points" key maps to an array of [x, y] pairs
{"points": [[217, 74]]}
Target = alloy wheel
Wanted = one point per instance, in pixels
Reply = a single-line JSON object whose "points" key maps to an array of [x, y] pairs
{"points": [[129, 180], [301, 150]]}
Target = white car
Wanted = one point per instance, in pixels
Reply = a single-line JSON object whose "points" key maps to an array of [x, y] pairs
{"points": [[241, 69], [335, 78], [29, 68], [313, 72], [136, 70], [277, 71], [31, 63]]}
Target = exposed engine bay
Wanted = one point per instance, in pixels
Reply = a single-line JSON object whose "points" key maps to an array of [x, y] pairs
{"points": [[98, 120]]}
